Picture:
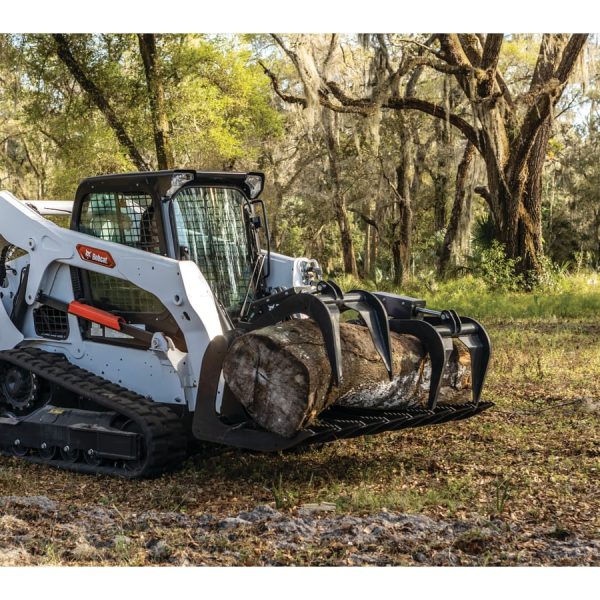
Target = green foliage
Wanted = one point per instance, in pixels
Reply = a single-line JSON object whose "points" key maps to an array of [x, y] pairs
{"points": [[496, 269], [223, 114], [502, 493], [484, 231], [573, 297], [217, 99]]}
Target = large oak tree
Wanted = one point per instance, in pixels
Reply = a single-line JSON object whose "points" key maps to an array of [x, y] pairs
{"points": [[510, 131]]}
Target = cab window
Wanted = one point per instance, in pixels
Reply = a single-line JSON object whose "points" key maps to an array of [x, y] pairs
{"points": [[121, 217]]}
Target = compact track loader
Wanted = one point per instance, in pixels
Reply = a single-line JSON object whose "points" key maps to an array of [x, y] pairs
{"points": [[113, 332]]}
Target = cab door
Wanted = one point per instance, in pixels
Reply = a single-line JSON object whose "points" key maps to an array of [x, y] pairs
{"points": [[131, 219]]}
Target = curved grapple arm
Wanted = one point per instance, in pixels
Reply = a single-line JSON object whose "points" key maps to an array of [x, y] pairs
{"points": [[381, 313]]}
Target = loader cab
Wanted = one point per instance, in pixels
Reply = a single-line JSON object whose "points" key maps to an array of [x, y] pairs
{"points": [[209, 218]]}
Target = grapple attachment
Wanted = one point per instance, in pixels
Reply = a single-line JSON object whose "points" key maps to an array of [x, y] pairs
{"points": [[436, 330], [380, 313]]}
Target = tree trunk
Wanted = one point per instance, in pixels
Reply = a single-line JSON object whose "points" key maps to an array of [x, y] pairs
{"points": [[441, 177], [458, 209], [156, 95], [339, 203], [366, 267], [349, 257], [374, 251], [530, 230], [275, 214], [63, 50], [282, 376], [403, 223]]}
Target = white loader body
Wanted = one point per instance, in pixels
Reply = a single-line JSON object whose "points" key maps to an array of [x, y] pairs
{"points": [[163, 373]]}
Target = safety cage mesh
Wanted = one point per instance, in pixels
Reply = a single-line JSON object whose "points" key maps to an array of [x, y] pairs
{"points": [[211, 226], [125, 218], [51, 323]]}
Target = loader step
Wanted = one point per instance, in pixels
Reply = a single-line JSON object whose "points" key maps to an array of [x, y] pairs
{"points": [[126, 435]]}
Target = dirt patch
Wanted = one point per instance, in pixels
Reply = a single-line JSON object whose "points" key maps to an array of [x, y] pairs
{"points": [[267, 536]]}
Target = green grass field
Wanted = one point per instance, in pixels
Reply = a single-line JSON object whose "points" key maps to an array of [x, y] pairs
{"points": [[530, 464]]}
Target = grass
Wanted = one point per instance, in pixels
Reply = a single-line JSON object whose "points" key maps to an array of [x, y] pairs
{"points": [[570, 297], [531, 461]]}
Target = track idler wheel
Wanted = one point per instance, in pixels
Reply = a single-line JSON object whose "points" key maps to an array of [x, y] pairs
{"points": [[18, 449], [48, 452], [70, 455], [91, 457]]}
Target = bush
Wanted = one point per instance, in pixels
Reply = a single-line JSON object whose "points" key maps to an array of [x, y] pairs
{"points": [[496, 269]]}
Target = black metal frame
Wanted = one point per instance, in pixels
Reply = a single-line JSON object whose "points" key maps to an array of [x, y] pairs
{"points": [[157, 184], [75, 428]]}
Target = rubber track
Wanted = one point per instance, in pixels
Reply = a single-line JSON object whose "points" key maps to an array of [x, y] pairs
{"points": [[163, 432]]}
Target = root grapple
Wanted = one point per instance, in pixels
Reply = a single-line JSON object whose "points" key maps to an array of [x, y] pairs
{"points": [[381, 313]]}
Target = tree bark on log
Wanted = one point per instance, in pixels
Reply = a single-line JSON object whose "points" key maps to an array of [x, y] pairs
{"points": [[281, 374]]}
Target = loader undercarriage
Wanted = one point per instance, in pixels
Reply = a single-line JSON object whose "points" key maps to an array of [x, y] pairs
{"points": [[87, 424]]}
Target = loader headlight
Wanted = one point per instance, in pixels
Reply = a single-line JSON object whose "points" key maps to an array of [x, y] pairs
{"points": [[311, 272], [255, 183]]}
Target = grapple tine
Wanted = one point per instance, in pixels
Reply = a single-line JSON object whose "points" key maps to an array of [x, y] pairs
{"points": [[373, 313], [335, 289], [330, 328], [434, 344], [327, 317], [479, 346]]}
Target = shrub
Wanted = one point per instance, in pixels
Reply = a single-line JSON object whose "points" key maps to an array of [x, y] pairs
{"points": [[496, 269]]}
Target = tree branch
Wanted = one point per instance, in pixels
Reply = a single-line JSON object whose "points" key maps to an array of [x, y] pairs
{"points": [[491, 50], [300, 168], [63, 50], [425, 46], [547, 99], [489, 63], [439, 111], [472, 47], [569, 57], [366, 106], [332, 45], [291, 99], [364, 217]]}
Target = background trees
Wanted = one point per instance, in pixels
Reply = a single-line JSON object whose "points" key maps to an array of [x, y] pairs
{"points": [[388, 156]]}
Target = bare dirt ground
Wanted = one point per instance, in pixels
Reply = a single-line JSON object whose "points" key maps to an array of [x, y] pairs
{"points": [[518, 485]]}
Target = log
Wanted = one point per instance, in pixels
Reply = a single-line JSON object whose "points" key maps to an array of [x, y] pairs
{"points": [[282, 376]]}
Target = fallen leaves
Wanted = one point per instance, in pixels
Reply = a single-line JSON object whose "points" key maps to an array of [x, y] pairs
{"points": [[529, 466]]}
